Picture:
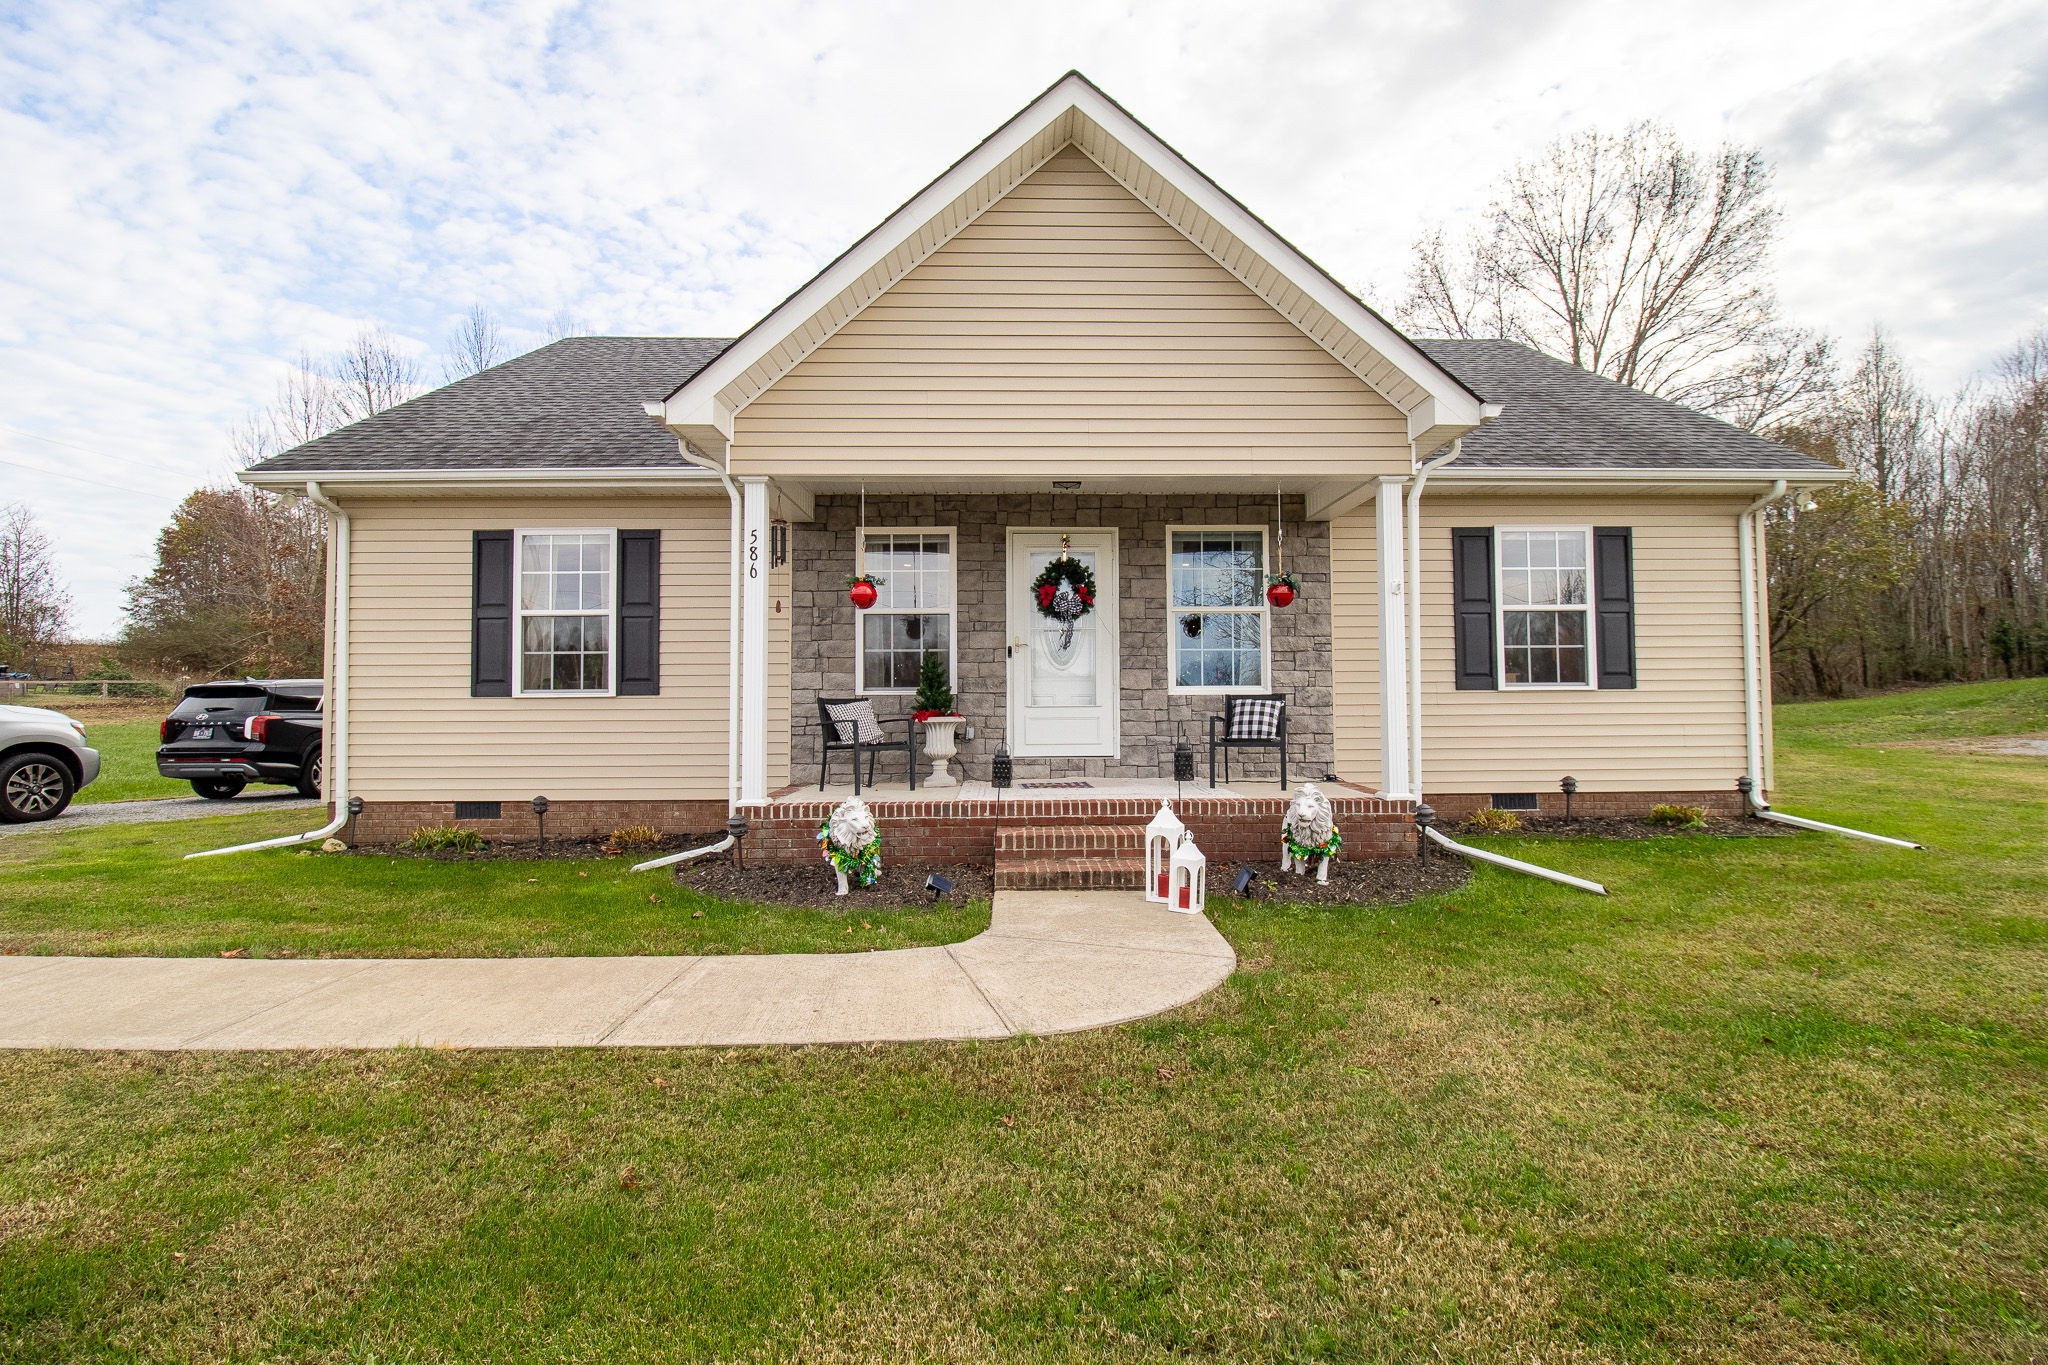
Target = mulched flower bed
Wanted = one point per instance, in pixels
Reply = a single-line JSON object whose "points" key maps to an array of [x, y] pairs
{"points": [[1623, 827], [1377, 881], [813, 885]]}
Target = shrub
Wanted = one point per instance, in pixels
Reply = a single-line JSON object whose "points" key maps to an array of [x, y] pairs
{"points": [[443, 839], [1495, 821], [1678, 817], [633, 839]]}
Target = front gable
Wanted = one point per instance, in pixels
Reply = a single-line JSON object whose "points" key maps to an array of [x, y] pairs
{"points": [[1074, 115], [1068, 329]]}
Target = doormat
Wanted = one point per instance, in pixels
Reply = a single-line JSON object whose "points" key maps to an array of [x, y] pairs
{"points": [[1048, 786]]}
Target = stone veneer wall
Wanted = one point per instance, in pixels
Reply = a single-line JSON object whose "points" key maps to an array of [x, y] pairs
{"points": [[822, 627]]}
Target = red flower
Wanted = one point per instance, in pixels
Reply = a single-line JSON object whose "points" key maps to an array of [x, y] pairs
{"points": [[1085, 595], [1046, 592]]}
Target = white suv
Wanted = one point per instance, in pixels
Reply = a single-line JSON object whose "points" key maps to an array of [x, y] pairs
{"points": [[43, 762]]}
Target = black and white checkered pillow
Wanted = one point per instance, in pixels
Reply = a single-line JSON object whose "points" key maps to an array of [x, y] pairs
{"points": [[853, 720], [1254, 718]]}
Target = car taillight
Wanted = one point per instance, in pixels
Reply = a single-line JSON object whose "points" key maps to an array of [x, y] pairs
{"points": [[163, 730], [257, 727]]}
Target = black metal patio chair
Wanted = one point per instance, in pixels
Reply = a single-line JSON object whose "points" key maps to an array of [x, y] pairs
{"points": [[831, 728], [1249, 721]]}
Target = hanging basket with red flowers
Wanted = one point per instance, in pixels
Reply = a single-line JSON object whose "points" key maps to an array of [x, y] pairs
{"points": [[862, 589], [1282, 589]]}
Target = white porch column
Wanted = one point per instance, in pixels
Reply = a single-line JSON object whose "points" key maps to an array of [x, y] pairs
{"points": [[1393, 622], [753, 571]]}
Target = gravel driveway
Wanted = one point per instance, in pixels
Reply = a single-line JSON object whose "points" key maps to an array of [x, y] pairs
{"points": [[171, 808]]}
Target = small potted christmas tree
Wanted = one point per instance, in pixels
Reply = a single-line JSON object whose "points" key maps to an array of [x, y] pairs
{"points": [[933, 709]]}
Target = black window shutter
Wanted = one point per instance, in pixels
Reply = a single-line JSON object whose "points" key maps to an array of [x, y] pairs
{"points": [[1614, 604], [639, 613], [490, 615], [1472, 599]]}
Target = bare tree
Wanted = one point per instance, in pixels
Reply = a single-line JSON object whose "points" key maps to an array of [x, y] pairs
{"points": [[371, 374], [304, 407], [35, 608], [565, 323], [475, 345], [1634, 256]]}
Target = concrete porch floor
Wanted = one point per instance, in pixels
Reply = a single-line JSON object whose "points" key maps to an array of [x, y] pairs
{"points": [[1035, 789], [1050, 962]]}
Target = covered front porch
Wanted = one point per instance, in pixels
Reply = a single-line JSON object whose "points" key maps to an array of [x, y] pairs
{"points": [[1178, 619]]}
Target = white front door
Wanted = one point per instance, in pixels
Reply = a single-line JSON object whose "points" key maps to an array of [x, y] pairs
{"points": [[1064, 673]]}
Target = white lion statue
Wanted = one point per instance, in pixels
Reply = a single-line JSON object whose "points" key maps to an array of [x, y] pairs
{"points": [[1309, 833], [851, 843]]}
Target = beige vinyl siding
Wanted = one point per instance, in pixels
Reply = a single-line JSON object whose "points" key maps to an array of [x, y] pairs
{"points": [[1679, 729], [1069, 328], [418, 735], [1355, 646]]}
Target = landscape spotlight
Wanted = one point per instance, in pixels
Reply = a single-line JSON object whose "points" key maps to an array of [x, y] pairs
{"points": [[540, 816], [938, 886], [1247, 875]]}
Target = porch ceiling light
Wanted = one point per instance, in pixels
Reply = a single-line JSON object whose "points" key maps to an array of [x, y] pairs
{"points": [[1066, 486]]}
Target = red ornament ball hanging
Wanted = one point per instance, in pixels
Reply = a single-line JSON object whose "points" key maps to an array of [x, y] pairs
{"points": [[863, 595], [1280, 594]]}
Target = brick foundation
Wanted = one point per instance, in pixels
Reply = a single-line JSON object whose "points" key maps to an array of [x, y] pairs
{"points": [[920, 833], [1454, 806], [389, 822]]}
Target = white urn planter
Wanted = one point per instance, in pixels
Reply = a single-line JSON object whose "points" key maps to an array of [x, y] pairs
{"points": [[941, 735]]}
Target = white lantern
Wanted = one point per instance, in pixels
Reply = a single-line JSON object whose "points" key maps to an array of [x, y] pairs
{"points": [[1189, 878], [1160, 836]]}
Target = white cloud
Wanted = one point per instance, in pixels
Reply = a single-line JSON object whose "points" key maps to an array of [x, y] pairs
{"points": [[189, 206]]}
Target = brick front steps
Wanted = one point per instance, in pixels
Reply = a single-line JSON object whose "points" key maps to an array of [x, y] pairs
{"points": [[1070, 857], [1102, 832]]}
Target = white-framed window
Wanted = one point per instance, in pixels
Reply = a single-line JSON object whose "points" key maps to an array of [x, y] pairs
{"points": [[1543, 593], [913, 611], [1217, 622], [566, 631]]}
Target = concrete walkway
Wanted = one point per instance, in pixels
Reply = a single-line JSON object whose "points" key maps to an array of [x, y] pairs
{"points": [[1051, 962]]}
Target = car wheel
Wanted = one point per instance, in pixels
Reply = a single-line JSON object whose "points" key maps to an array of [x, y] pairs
{"points": [[218, 788], [34, 787], [313, 776]]}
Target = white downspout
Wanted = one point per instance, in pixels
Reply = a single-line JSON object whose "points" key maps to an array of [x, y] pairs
{"points": [[336, 761], [732, 663], [1752, 671], [1414, 588]]}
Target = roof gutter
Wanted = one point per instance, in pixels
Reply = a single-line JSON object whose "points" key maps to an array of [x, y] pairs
{"points": [[336, 706], [692, 476], [1616, 474]]}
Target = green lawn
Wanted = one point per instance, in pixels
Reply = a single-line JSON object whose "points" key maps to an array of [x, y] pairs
{"points": [[127, 760], [126, 889], [1777, 1099]]}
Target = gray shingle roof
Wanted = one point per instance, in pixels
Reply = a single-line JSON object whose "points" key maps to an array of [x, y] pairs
{"points": [[1555, 415], [576, 404], [572, 404]]}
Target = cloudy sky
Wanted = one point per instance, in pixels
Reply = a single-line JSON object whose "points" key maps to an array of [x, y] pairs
{"points": [[194, 193]]}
